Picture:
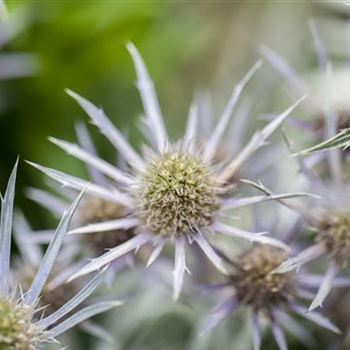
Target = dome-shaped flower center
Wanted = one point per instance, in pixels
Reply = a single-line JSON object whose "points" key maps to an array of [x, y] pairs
{"points": [[254, 282], [96, 210], [176, 195], [17, 331], [335, 233]]}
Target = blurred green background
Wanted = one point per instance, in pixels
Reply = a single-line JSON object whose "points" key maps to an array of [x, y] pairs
{"points": [[188, 46]]}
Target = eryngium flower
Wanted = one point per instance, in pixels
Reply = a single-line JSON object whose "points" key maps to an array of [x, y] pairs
{"points": [[329, 217], [253, 284], [175, 192], [17, 331], [56, 292], [331, 223], [21, 327]]}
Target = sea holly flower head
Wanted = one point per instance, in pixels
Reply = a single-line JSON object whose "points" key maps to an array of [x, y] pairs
{"points": [[335, 235], [17, 331], [56, 293], [177, 194], [332, 226], [174, 192], [329, 216], [329, 220], [21, 326], [253, 285]]}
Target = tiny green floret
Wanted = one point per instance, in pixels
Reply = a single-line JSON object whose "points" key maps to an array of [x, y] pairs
{"points": [[177, 194], [17, 330]]}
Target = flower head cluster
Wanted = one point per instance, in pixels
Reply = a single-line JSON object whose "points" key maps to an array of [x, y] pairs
{"points": [[176, 192], [253, 284], [328, 216], [331, 224]]}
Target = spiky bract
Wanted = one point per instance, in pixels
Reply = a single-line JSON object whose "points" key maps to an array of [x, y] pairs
{"points": [[51, 299]]}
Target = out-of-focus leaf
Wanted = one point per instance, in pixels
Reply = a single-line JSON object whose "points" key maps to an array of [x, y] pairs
{"points": [[341, 140]]}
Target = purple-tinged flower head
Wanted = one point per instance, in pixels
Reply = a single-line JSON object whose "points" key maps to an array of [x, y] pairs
{"points": [[255, 285], [56, 292], [330, 221], [335, 234], [328, 218], [173, 193], [22, 327], [252, 285]]}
